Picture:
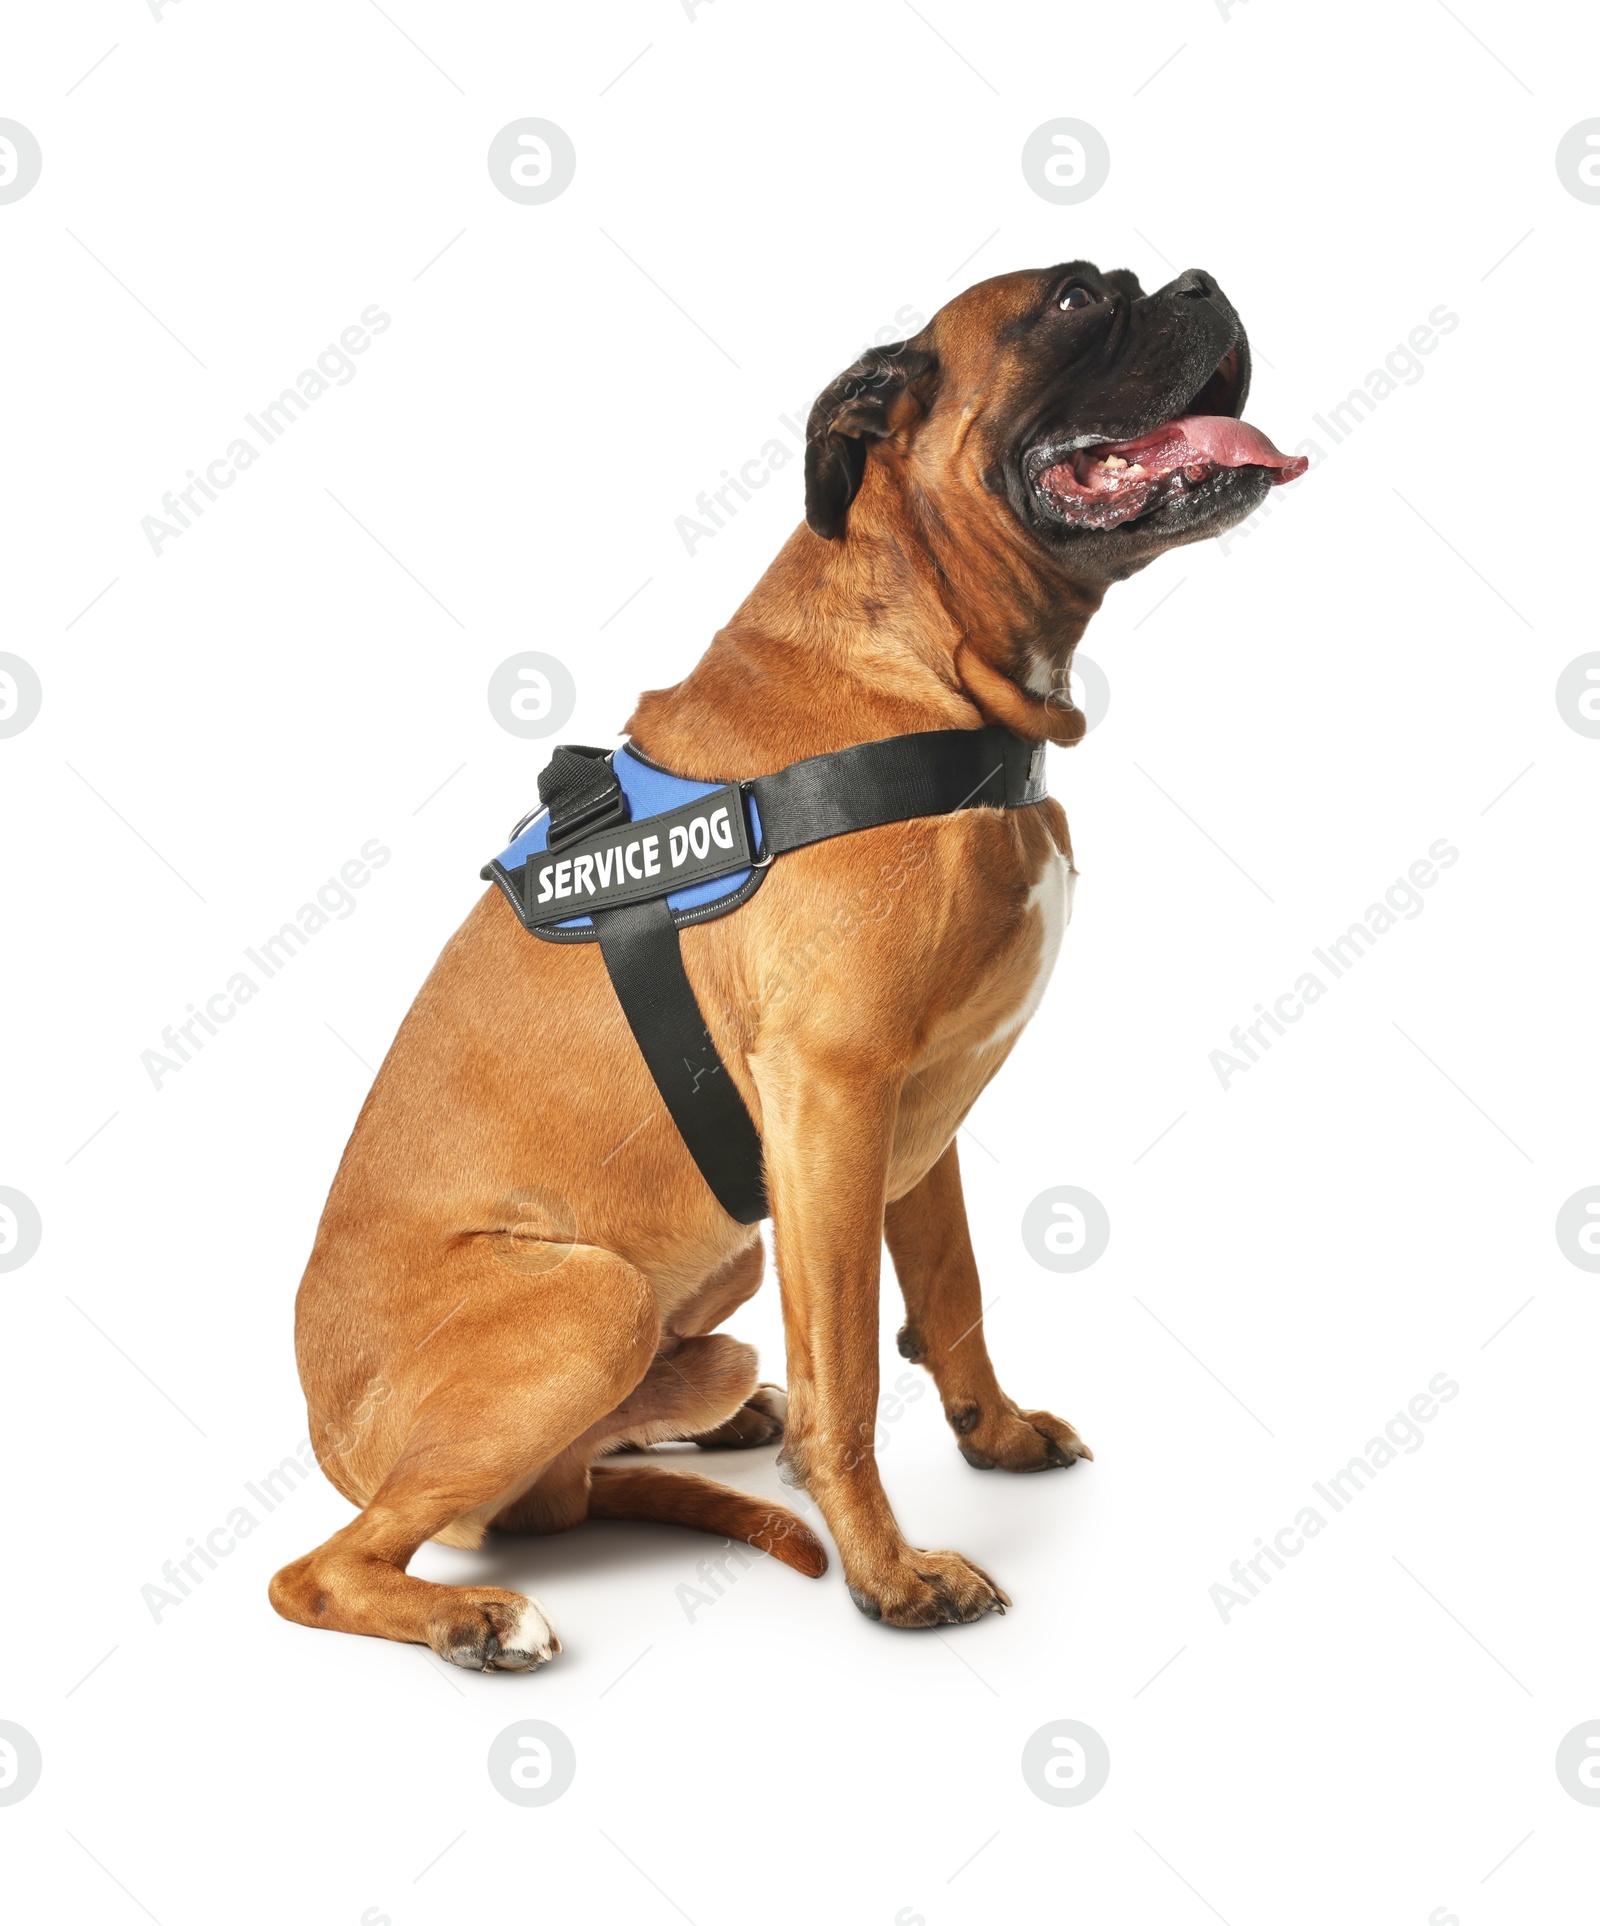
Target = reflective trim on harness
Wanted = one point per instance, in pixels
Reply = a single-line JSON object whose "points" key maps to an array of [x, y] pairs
{"points": [[646, 852]]}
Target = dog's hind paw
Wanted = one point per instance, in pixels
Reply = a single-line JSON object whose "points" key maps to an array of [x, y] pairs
{"points": [[488, 1630], [758, 1421]]}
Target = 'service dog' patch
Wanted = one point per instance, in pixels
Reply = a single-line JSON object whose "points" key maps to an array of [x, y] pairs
{"points": [[694, 843], [695, 891]]}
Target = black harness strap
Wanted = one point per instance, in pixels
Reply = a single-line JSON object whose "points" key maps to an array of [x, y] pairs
{"points": [[936, 773], [639, 943], [893, 781]]}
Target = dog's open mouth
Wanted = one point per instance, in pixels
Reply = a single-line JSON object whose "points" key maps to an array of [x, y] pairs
{"points": [[1116, 482], [1101, 484]]}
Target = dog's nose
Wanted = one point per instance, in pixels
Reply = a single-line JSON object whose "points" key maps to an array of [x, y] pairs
{"points": [[1195, 282]]}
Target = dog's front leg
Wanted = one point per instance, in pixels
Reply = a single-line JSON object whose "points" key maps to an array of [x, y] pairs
{"points": [[827, 1128], [926, 1231]]}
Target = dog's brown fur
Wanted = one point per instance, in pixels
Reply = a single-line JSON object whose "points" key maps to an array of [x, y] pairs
{"points": [[519, 1268]]}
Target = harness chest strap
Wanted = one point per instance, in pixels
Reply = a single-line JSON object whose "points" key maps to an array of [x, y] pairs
{"points": [[598, 867]]}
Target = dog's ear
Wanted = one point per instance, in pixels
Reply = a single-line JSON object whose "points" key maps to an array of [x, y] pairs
{"points": [[856, 408]]}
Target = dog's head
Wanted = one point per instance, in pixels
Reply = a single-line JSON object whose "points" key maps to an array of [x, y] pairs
{"points": [[1064, 414]]}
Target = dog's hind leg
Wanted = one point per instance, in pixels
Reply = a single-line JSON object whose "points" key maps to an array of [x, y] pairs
{"points": [[926, 1231], [759, 1419], [531, 1362], [692, 1383]]}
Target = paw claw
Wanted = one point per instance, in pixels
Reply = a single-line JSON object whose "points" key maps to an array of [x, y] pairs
{"points": [[1013, 1440], [941, 1588]]}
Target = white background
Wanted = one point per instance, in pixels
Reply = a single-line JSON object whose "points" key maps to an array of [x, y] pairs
{"points": [[1292, 723]]}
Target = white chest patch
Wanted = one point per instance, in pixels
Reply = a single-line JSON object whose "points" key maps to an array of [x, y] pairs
{"points": [[1050, 900]]}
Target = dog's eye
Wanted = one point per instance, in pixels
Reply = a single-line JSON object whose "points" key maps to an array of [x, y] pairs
{"points": [[1076, 297]]}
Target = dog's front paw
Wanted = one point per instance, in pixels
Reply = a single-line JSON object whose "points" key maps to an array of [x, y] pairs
{"points": [[484, 1629], [1013, 1440], [926, 1588]]}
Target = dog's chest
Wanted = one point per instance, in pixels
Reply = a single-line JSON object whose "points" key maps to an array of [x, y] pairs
{"points": [[1006, 992], [972, 1034], [1026, 974]]}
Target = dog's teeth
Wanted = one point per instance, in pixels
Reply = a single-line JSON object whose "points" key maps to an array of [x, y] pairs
{"points": [[1115, 461], [1136, 469]]}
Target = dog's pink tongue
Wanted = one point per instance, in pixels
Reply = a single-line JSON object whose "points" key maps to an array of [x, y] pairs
{"points": [[1218, 439]]}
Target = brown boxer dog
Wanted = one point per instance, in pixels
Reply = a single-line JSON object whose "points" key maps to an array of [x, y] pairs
{"points": [[520, 1271]]}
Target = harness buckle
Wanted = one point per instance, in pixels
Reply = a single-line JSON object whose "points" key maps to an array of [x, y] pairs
{"points": [[581, 790]]}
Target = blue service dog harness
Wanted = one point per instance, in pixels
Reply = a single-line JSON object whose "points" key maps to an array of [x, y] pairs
{"points": [[625, 854]]}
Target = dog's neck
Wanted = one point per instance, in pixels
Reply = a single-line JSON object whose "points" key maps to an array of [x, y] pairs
{"points": [[893, 629]]}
